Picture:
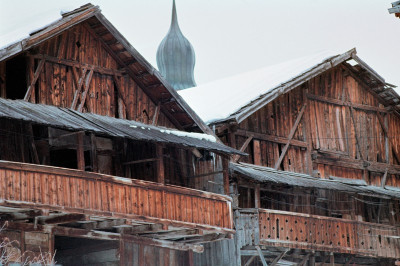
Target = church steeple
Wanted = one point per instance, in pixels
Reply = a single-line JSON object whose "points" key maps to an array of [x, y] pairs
{"points": [[176, 57]]}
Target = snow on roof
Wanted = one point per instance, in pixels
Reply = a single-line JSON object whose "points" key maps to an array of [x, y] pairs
{"points": [[220, 99]]}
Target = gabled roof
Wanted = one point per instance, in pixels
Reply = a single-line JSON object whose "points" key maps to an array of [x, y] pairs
{"points": [[69, 119], [141, 71], [395, 9], [236, 98], [262, 174]]}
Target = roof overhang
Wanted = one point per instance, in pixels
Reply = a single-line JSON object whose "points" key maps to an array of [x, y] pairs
{"points": [[376, 82]]}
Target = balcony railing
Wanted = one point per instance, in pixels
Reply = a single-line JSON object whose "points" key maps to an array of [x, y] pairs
{"points": [[302, 231], [45, 187]]}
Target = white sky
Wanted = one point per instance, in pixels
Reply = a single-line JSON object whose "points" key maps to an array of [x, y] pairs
{"points": [[234, 36]]}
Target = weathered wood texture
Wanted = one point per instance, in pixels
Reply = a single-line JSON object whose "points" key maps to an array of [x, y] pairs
{"points": [[221, 253], [296, 230], [134, 254], [69, 59], [82, 192], [347, 120]]}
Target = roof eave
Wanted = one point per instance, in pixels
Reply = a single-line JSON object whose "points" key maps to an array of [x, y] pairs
{"points": [[276, 92]]}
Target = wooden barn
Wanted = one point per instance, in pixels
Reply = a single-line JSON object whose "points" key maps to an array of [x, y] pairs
{"points": [[101, 161], [321, 184]]}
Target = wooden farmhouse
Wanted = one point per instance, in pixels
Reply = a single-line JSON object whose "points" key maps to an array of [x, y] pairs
{"points": [[101, 161], [321, 184]]}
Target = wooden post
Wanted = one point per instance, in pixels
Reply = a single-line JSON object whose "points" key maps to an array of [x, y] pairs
{"points": [[225, 168], [257, 202], [308, 132], [256, 152], [93, 152], [33, 149], [160, 164], [80, 152]]}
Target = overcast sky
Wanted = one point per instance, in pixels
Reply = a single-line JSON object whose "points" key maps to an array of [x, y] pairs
{"points": [[234, 36]]}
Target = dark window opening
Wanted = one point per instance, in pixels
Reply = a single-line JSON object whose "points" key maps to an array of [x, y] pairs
{"points": [[16, 84], [64, 158]]}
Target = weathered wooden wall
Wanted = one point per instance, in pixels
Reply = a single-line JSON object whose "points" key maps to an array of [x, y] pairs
{"points": [[341, 133], [134, 254], [77, 61]]}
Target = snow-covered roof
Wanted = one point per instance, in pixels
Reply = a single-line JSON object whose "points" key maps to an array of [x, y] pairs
{"points": [[237, 97]]}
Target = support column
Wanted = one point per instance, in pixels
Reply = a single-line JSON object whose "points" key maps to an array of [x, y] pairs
{"points": [[160, 164]]}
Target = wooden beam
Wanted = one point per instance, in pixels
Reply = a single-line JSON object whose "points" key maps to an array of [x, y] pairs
{"points": [[385, 130], [141, 161], [244, 146], [383, 181], [363, 107], [277, 259], [156, 114], [291, 134], [80, 152], [225, 168], [78, 89], [257, 202], [308, 130], [358, 143], [261, 256], [86, 89], [160, 164], [250, 260], [93, 152], [304, 260], [35, 78], [271, 138], [61, 219], [102, 235], [73, 63]]}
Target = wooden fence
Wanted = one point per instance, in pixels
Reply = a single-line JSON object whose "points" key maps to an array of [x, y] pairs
{"points": [[67, 190]]}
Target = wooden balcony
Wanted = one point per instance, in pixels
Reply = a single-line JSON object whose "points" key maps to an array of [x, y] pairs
{"points": [[54, 189], [302, 231]]}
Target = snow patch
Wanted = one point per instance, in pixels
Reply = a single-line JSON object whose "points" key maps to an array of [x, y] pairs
{"points": [[200, 136], [219, 99]]}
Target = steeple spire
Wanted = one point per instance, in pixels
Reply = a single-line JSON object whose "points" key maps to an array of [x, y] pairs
{"points": [[176, 57]]}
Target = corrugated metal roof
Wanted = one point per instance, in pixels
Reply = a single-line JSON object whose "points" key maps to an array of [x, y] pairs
{"points": [[266, 174], [104, 125]]}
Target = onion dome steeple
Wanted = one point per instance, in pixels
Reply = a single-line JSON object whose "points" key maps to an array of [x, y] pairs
{"points": [[175, 57]]}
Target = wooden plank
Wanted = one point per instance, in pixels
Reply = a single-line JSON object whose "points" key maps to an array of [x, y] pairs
{"points": [[386, 131], [261, 256], [225, 168], [257, 152], [80, 152], [160, 164], [33, 82], [242, 149], [93, 152], [78, 88], [86, 89], [291, 134], [308, 130], [271, 138], [156, 115]]}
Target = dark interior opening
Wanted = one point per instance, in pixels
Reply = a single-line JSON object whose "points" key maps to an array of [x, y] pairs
{"points": [[82, 251], [63, 158], [16, 77]]}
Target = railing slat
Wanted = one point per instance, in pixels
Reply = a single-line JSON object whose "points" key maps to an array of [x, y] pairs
{"points": [[97, 194], [325, 233]]}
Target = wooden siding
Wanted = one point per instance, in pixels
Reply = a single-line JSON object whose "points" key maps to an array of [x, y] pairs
{"points": [[96, 194], [77, 58], [342, 132], [296, 230]]}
